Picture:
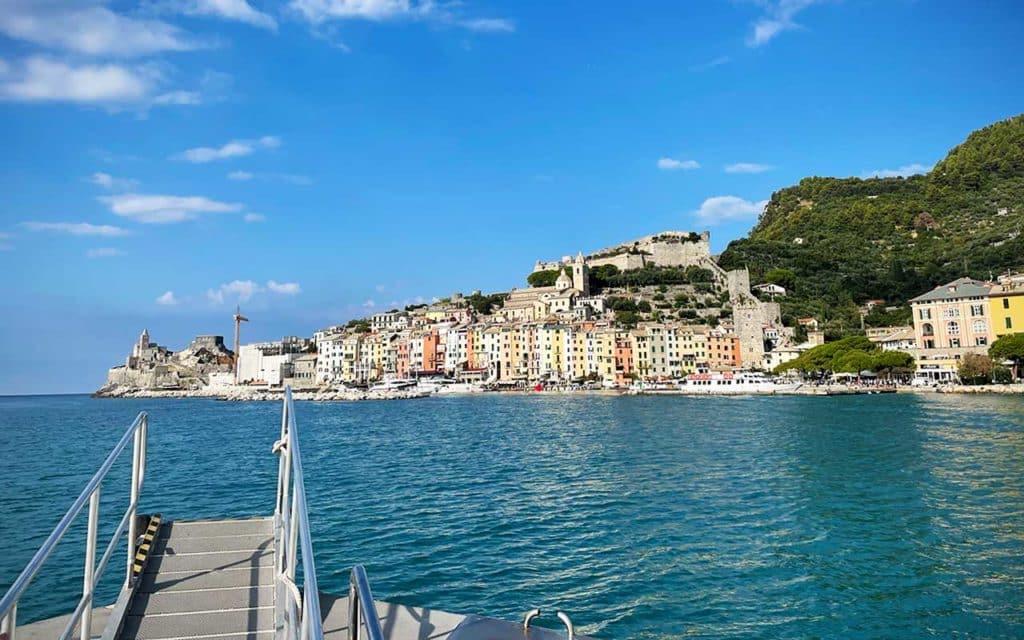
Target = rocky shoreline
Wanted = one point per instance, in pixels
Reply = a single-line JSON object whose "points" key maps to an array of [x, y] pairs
{"points": [[252, 394]]}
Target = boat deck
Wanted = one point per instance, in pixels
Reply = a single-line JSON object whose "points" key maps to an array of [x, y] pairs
{"points": [[210, 578]]}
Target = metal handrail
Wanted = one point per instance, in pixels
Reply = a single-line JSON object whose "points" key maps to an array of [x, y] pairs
{"points": [[295, 618], [360, 599], [138, 432]]}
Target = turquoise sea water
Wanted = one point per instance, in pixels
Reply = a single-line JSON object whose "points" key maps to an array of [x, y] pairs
{"points": [[644, 517]]}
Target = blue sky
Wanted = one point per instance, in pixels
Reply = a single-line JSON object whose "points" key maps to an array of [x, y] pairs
{"points": [[321, 159]]}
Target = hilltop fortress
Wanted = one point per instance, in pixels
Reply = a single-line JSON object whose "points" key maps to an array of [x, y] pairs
{"points": [[665, 249]]}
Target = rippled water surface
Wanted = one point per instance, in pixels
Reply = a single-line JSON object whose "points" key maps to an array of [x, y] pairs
{"points": [[858, 517]]}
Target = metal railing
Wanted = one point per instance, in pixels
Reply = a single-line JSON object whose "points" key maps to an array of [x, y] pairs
{"points": [[360, 599], [138, 434], [297, 615]]}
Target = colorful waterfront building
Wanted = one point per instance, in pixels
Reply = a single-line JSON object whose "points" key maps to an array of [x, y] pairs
{"points": [[723, 350], [953, 316], [950, 321], [1006, 301]]}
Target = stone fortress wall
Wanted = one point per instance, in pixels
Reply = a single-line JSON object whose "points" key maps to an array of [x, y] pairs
{"points": [[664, 249]]}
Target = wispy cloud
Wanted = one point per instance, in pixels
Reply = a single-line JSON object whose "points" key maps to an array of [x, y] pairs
{"points": [[77, 228], [162, 209], [236, 10], [711, 64], [319, 12], [289, 178], [111, 183], [728, 208], [254, 217], [779, 16], [232, 149], [902, 172], [671, 164], [369, 304], [376, 10], [238, 291], [284, 288], [489, 25], [104, 252], [4, 245], [90, 30], [179, 97], [167, 299], [747, 167]]}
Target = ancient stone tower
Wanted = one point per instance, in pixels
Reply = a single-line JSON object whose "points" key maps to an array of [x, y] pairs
{"points": [[581, 274]]}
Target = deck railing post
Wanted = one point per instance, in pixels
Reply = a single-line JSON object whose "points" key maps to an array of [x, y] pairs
{"points": [[88, 578], [353, 609], [9, 623], [133, 504], [145, 443]]}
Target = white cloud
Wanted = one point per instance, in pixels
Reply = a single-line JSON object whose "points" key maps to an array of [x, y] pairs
{"points": [[904, 171], [234, 291], [160, 209], [369, 304], [489, 25], [167, 299], [238, 10], [378, 10], [110, 85], [90, 30], [290, 178], [111, 183], [779, 17], [727, 208], [284, 288], [232, 149], [77, 228], [41, 79], [318, 12], [254, 217], [747, 167], [104, 252], [671, 164], [238, 291]]}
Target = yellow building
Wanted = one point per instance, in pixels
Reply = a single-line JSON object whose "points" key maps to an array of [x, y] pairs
{"points": [[1006, 302]]}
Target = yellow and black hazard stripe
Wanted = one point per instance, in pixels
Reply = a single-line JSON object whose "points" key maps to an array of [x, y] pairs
{"points": [[143, 550]]}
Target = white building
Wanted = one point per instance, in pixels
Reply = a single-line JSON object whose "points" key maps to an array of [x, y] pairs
{"points": [[390, 321]]}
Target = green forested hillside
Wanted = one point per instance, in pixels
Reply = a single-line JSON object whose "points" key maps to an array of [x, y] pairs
{"points": [[842, 241]]}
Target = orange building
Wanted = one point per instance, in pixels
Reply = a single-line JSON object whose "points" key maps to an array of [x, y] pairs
{"points": [[623, 359], [433, 353], [723, 351]]}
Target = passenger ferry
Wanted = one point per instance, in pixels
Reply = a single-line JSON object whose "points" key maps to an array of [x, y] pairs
{"points": [[726, 383]]}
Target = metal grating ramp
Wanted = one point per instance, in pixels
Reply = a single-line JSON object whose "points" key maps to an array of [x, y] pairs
{"points": [[207, 579]]}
